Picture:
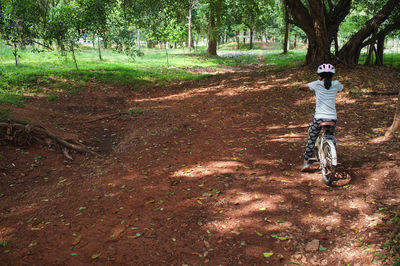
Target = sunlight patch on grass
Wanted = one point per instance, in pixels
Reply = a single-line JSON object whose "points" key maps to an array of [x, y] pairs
{"points": [[291, 58]]}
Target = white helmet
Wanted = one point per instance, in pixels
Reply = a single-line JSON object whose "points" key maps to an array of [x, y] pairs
{"points": [[326, 68]]}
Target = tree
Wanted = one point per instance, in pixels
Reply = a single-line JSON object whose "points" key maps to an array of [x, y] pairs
{"points": [[286, 43], [392, 24], [350, 52], [320, 21], [213, 15], [191, 6], [95, 15], [18, 23], [65, 26]]}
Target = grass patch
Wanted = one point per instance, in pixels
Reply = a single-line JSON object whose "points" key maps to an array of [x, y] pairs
{"points": [[9, 98], [52, 97], [291, 58], [240, 46], [390, 59], [134, 110], [49, 72], [4, 114]]}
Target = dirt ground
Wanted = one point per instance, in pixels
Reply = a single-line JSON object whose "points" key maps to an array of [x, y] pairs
{"points": [[203, 173]]}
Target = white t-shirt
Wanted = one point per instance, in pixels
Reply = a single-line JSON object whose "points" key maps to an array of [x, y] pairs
{"points": [[325, 99]]}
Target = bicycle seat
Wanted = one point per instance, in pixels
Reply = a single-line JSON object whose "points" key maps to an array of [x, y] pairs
{"points": [[323, 124]]}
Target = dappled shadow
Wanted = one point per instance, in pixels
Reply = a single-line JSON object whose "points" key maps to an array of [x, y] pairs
{"points": [[207, 173]]}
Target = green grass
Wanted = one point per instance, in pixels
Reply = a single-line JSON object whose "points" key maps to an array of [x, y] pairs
{"points": [[49, 73], [4, 114], [240, 46], [291, 58], [389, 59]]}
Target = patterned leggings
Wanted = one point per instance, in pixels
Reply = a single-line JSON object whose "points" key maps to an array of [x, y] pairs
{"points": [[313, 133]]}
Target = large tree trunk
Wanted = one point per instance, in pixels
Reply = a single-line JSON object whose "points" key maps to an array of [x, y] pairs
{"points": [[379, 50], [319, 20], [212, 33], [350, 52], [316, 53]]}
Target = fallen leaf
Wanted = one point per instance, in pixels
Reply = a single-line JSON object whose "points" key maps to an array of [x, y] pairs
{"points": [[268, 254], [77, 240], [96, 255]]}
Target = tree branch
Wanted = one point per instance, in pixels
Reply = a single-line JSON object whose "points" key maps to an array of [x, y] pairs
{"points": [[381, 34], [42, 44], [301, 16], [373, 23]]}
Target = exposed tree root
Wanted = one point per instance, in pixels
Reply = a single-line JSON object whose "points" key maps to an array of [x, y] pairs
{"points": [[22, 133]]}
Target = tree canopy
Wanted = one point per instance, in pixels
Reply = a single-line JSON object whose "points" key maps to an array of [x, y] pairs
{"points": [[336, 30]]}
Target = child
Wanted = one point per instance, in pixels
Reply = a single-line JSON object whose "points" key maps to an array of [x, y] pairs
{"points": [[325, 91]]}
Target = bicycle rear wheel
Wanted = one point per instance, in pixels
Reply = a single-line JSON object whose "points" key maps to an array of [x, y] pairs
{"points": [[328, 162]]}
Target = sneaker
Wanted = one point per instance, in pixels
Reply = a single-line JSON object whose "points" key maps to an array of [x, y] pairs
{"points": [[306, 166]]}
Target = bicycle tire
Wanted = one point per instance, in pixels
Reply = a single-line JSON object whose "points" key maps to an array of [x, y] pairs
{"points": [[328, 159]]}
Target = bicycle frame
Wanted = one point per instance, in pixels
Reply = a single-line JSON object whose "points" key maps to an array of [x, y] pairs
{"points": [[320, 144], [327, 156]]}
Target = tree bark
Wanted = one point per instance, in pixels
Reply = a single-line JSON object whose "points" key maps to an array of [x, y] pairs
{"points": [[99, 48], [368, 60], [74, 57], [380, 46], [317, 54], [251, 38], [350, 52], [287, 29], [189, 44], [286, 43], [212, 32], [15, 53]]}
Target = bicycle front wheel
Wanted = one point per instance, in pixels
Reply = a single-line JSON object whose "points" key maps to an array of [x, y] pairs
{"points": [[328, 162]]}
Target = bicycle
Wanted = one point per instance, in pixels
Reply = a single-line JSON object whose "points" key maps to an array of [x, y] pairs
{"points": [[325, 153]]}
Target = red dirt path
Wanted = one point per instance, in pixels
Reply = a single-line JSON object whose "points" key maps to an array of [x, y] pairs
{"points": [[208, 174]]}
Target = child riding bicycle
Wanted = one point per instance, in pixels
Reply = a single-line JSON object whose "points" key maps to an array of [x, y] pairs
{"points": [[325, 91]]}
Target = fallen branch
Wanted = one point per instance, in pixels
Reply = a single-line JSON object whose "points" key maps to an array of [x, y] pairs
{"points": [[22, 133]]}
